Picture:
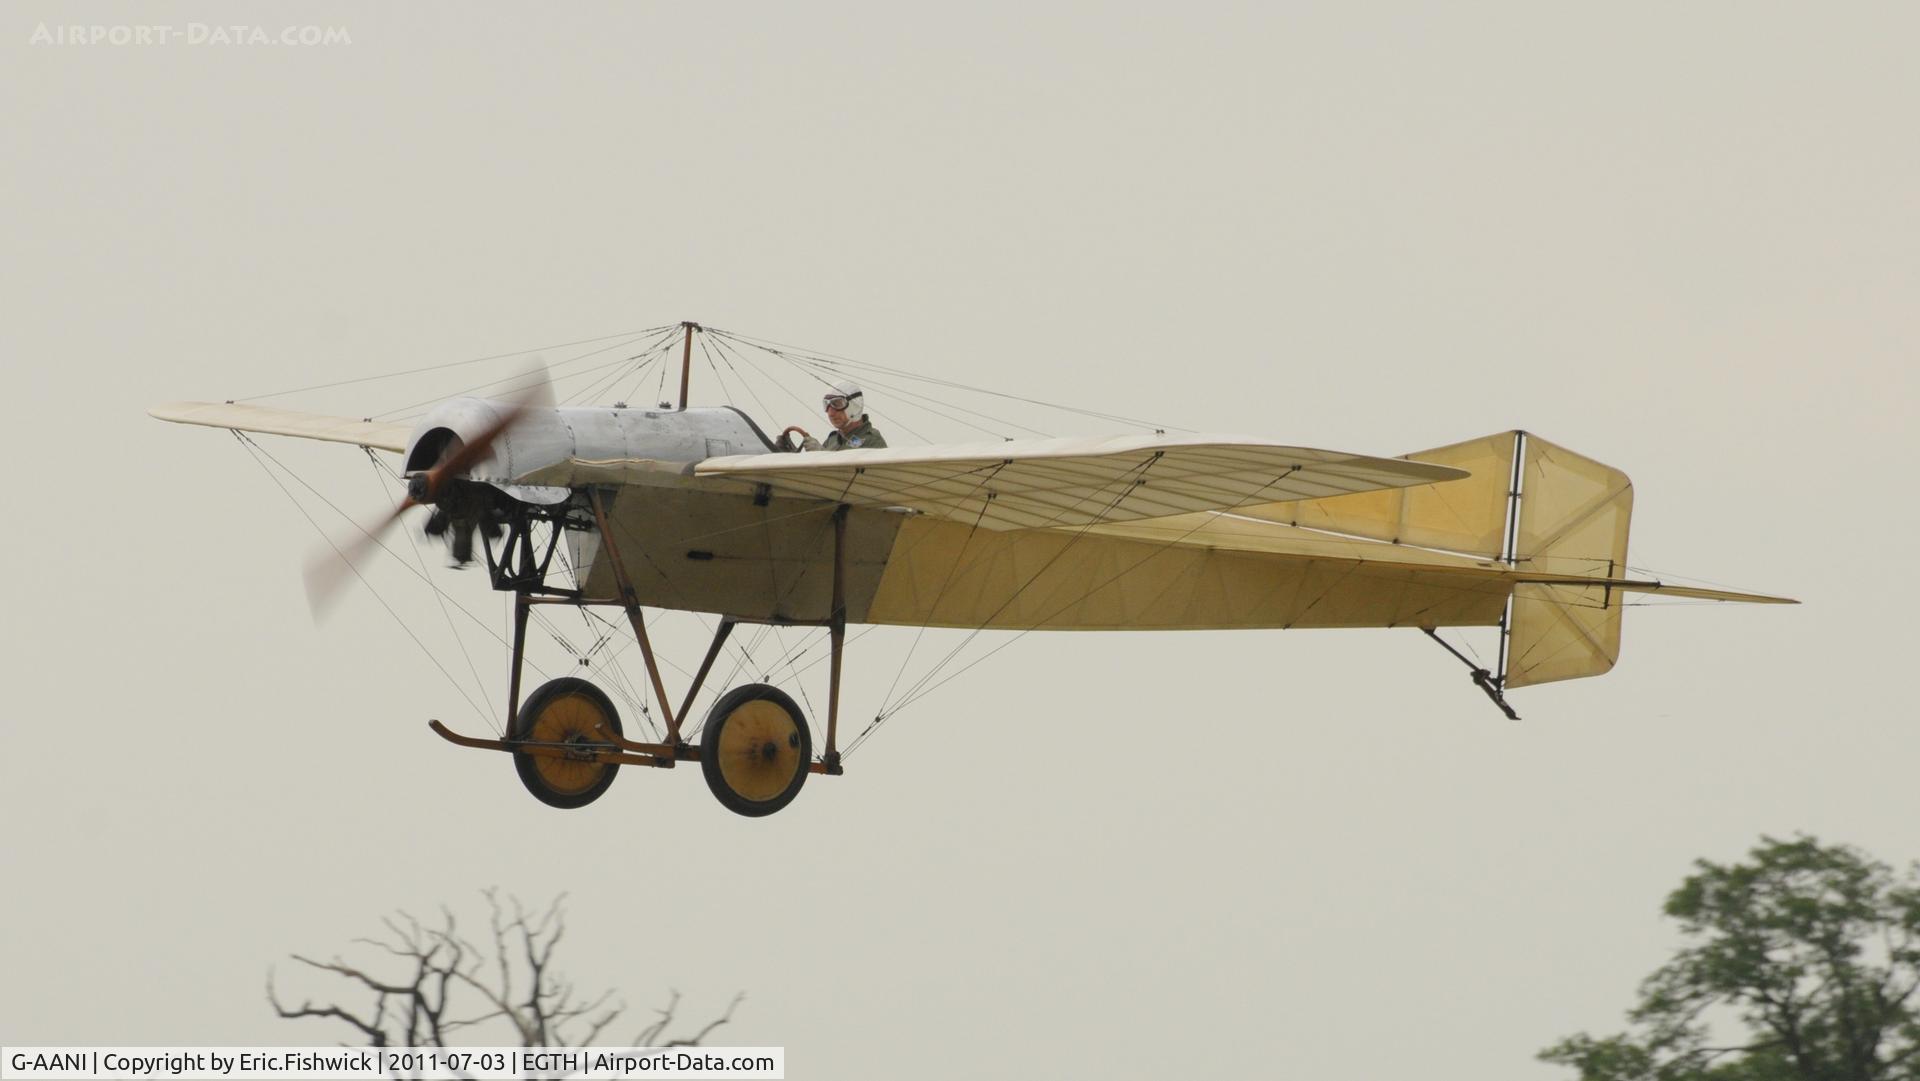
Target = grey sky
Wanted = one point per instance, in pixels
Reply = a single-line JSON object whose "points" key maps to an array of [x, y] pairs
{"points": [[1680, 240]]}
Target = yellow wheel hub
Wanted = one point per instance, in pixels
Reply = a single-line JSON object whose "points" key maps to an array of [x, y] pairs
{"points": [[760, 750], [573, 719], [565, 722]]}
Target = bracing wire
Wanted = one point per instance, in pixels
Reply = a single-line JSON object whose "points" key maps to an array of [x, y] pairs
{"points": [[721, 344], [712, 348], [713, 366], [439, 599], [344, 516], [1125, 481], [435, 661], [442, 367], [941, 593], [640, 379], [779, 348], [633, 365], [522, 381], [923, 400]]}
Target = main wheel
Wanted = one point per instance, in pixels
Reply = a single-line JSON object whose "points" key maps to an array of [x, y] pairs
{"points": [[575, 714], [755, 749]]}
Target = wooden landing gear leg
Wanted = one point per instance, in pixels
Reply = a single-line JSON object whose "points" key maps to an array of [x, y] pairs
{"points": [[837, 633], [630, 600], [756, 749], [713, 653], [520, 610]]}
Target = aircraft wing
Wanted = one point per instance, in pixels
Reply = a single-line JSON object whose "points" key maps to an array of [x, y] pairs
{"points": [[254, 418], [1047, 483]]}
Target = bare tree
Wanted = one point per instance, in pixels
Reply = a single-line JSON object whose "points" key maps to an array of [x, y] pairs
{"points": [[436, 988]]}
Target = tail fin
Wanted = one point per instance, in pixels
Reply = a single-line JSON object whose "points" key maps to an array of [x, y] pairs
{"points": [[1572, 518]]}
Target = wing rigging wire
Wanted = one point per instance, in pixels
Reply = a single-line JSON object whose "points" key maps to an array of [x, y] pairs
{"points": [[921, 689], [419, 557], [618, 681], [718, 380], [349, 519], [1127, 482], [923, 400], [635, 366], [1681, 579], [811, 407], [462, 691], [808, 367], [519, 381], [706, 348], [622, 688], [831, 360], [453, 364], [820, 371], [722, 344], [798, 684], [941, 593]]}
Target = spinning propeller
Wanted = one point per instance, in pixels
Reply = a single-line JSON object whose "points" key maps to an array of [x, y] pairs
{"points": [[327, 572]]}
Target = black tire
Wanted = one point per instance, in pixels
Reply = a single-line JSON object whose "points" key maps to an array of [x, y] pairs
{"points": [[571, 711], [755, 749]]}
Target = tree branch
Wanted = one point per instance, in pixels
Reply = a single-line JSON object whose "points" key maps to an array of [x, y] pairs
{"points": [[418, 1009]]}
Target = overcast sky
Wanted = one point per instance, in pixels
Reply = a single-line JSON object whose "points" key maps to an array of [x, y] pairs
{"points": [[1679, 239]]}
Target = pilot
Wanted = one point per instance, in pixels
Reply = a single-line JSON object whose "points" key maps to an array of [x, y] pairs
{"points": [[846, 408]]}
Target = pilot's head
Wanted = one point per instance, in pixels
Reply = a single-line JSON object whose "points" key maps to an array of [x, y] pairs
{"points": [[845, 405]]}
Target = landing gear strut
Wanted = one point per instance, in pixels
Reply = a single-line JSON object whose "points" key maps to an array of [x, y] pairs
{"points": [[756, 748]]}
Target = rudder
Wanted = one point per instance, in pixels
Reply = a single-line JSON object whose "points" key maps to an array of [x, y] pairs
{"points": [[1573, 519]]}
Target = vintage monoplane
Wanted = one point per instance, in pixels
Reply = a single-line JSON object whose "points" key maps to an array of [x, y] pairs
{"points": [[696, 509]]}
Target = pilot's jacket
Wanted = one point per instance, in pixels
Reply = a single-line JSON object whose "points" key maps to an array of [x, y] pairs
{"points": [[863, 437]]}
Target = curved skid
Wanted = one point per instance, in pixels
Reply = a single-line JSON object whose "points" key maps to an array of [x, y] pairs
{"points": [[645, 754], [640, 754]]}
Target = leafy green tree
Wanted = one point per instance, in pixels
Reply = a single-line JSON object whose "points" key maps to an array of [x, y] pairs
{"points": [[1800, 965]]}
